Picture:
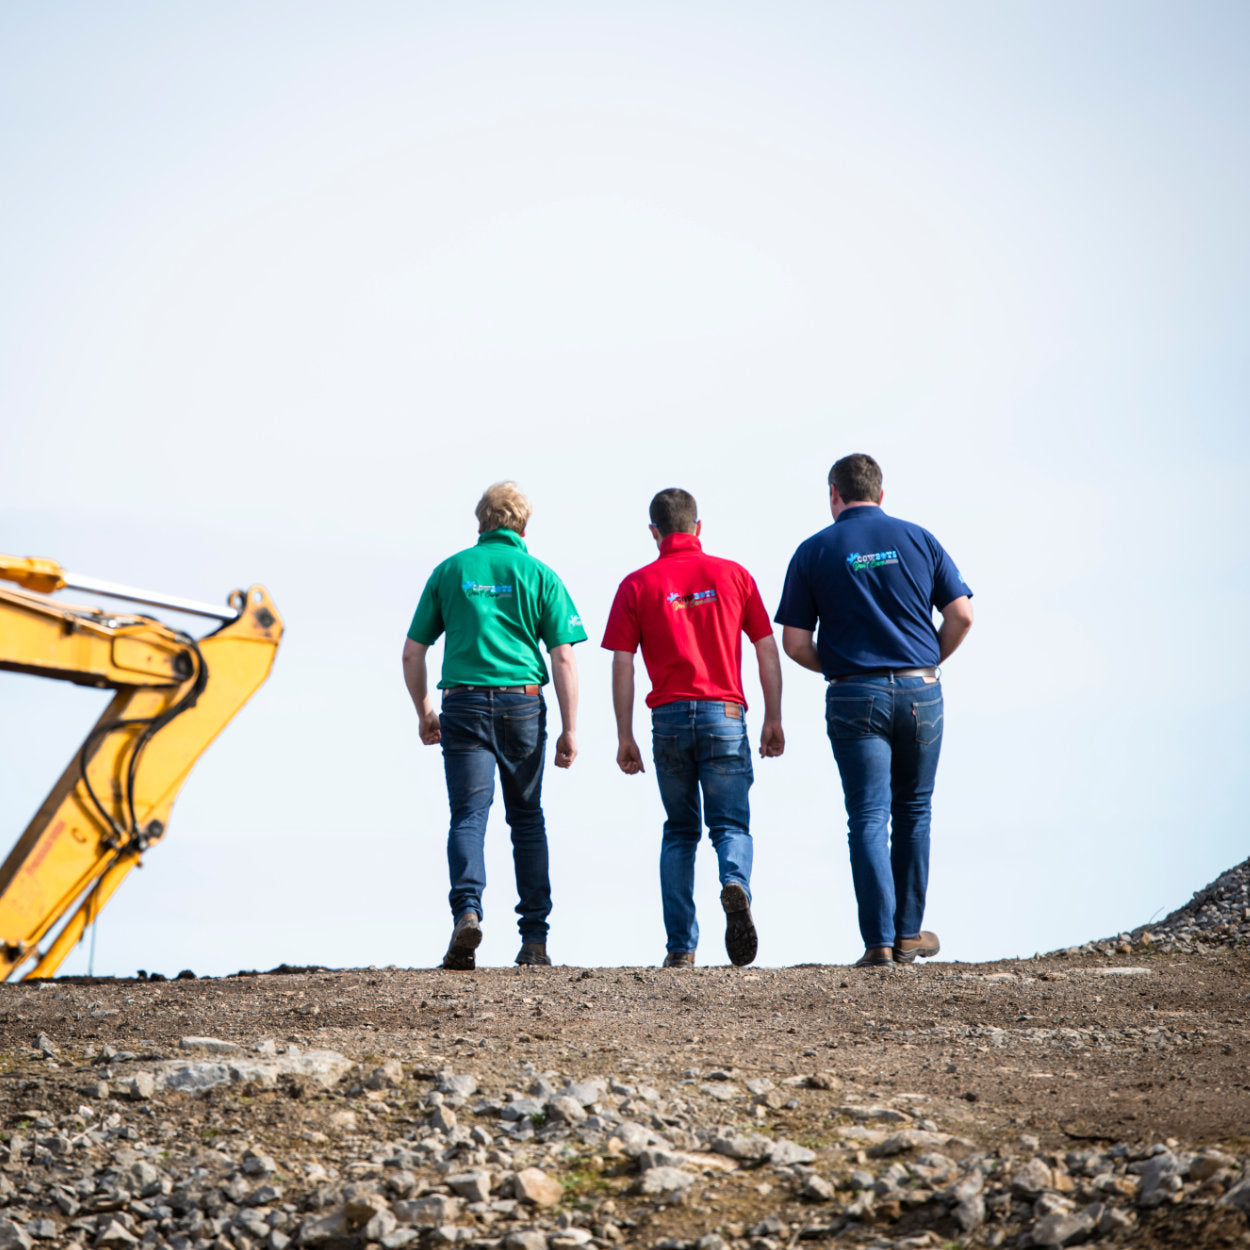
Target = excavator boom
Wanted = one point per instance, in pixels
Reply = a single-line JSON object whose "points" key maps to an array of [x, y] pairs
{"points": [[173, 695]]}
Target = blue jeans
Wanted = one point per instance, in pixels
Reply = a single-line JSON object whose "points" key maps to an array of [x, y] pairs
{"points": [[696, 746], [887, 734], [484, 730]]}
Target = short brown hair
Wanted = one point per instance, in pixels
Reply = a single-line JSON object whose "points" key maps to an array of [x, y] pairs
{"points": [[857, 477], [674, 511], [503, 507]]}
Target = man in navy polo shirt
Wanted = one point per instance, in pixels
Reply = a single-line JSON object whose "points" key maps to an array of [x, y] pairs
{"points": [[688, 612], [871, 582]]}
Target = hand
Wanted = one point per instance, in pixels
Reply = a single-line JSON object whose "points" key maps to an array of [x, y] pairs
{"points": [[566, 749], [431, 730], [772, 739], [628, 757]]}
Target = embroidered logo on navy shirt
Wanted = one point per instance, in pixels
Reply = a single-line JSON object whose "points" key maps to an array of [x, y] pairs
{"points": [[862, 563]]}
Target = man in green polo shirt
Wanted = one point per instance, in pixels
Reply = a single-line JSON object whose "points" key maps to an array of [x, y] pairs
{"points": [[495, 603]]}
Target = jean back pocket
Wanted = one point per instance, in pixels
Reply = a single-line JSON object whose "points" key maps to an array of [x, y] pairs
{"points": [[928, 718], [521, 731], [848, 717], [671, 753], [727, 753]]}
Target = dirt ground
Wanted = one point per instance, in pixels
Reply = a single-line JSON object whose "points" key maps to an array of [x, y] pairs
{"points": [[1084, 1050], [1067, 1048]]}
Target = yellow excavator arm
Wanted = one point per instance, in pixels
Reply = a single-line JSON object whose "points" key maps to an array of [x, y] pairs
{"points": [[174, 695]]}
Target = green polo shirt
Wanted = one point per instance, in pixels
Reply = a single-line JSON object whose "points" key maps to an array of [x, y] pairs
{"points": [[495, 603]]}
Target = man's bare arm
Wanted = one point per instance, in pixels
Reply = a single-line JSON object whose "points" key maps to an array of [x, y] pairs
{"points": [[564, 678], [956, 622], [418, 687], [772, 739], [628, 757], [798, 644]]}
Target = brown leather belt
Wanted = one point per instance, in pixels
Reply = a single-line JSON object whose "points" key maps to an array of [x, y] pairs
{"points": [[933, 673], [496, 689]]}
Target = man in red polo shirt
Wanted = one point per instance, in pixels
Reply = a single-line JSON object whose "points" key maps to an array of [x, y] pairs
{"points": [[688, 612]]}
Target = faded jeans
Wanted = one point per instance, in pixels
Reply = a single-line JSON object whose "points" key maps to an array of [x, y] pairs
{"points": [[887, 734], [699, 750], [485, 730]]}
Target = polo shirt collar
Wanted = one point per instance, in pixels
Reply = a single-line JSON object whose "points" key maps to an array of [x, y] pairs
{"points": [[858, 510], [675, 543], [502, 536]]}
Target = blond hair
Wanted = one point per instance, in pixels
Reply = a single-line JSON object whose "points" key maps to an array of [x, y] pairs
{"points": [[503, 506]]}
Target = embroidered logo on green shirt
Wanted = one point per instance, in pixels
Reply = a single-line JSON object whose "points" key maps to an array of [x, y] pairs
{"points": [[494, 592]]}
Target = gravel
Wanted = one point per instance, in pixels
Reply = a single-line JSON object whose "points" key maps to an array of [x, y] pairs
{"points": [[1218, 916], [1097, 1096]]}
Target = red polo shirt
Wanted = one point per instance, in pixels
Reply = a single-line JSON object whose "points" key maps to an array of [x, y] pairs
{"points": [[688, 611]]}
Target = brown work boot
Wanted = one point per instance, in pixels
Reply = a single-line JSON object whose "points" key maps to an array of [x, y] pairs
{"points": [[925, 944], [875, 957], [466, 937], [741, 942], [533, 953], [678, 959]]}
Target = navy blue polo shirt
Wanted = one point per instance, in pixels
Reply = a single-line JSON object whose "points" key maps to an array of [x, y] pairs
{"points": [[872, 582]]}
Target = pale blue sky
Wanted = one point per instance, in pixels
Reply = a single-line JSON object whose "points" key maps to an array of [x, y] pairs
{"points": [[284, 286]]}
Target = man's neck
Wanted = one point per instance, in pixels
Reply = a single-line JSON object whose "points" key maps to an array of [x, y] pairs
{"points": [[839, 508]]}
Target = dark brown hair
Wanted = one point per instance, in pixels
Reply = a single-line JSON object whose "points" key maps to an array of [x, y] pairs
{"points": [[857, 477], [673, 511]]}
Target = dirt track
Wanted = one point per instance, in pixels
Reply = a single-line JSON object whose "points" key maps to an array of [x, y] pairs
{"points": [[1129, 1046], [1079, 1053]]}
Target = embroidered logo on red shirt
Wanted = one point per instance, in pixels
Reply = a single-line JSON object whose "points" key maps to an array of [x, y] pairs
{"points": [[697, 599]]}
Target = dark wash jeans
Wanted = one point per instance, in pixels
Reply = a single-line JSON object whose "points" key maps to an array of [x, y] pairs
{"points": [[485, 730], [887, 734], [696, 747]]}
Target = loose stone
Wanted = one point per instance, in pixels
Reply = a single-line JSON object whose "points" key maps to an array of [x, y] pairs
{"points": [[666, 1180], [536, 1187]]}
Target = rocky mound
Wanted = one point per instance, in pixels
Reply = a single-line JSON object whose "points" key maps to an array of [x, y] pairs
{"points": [[1218, 915]]}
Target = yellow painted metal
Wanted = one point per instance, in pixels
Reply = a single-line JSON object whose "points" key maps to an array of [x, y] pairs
{"points": [[86, 645], [44, 576], [174, 694], [85, 914]]}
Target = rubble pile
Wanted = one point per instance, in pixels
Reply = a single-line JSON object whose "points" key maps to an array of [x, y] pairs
{"points": [[224, 1147], [1218, 915]]}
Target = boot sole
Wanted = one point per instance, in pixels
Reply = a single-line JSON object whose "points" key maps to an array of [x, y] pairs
{"points": [[460, 955], [741, 940], [917, 952]]}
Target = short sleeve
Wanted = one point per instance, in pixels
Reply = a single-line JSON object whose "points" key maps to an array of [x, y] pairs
{"points": [[947, 582], [755, 622], [798, 606], [622, 632], [427, 621], [560, 622]]}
